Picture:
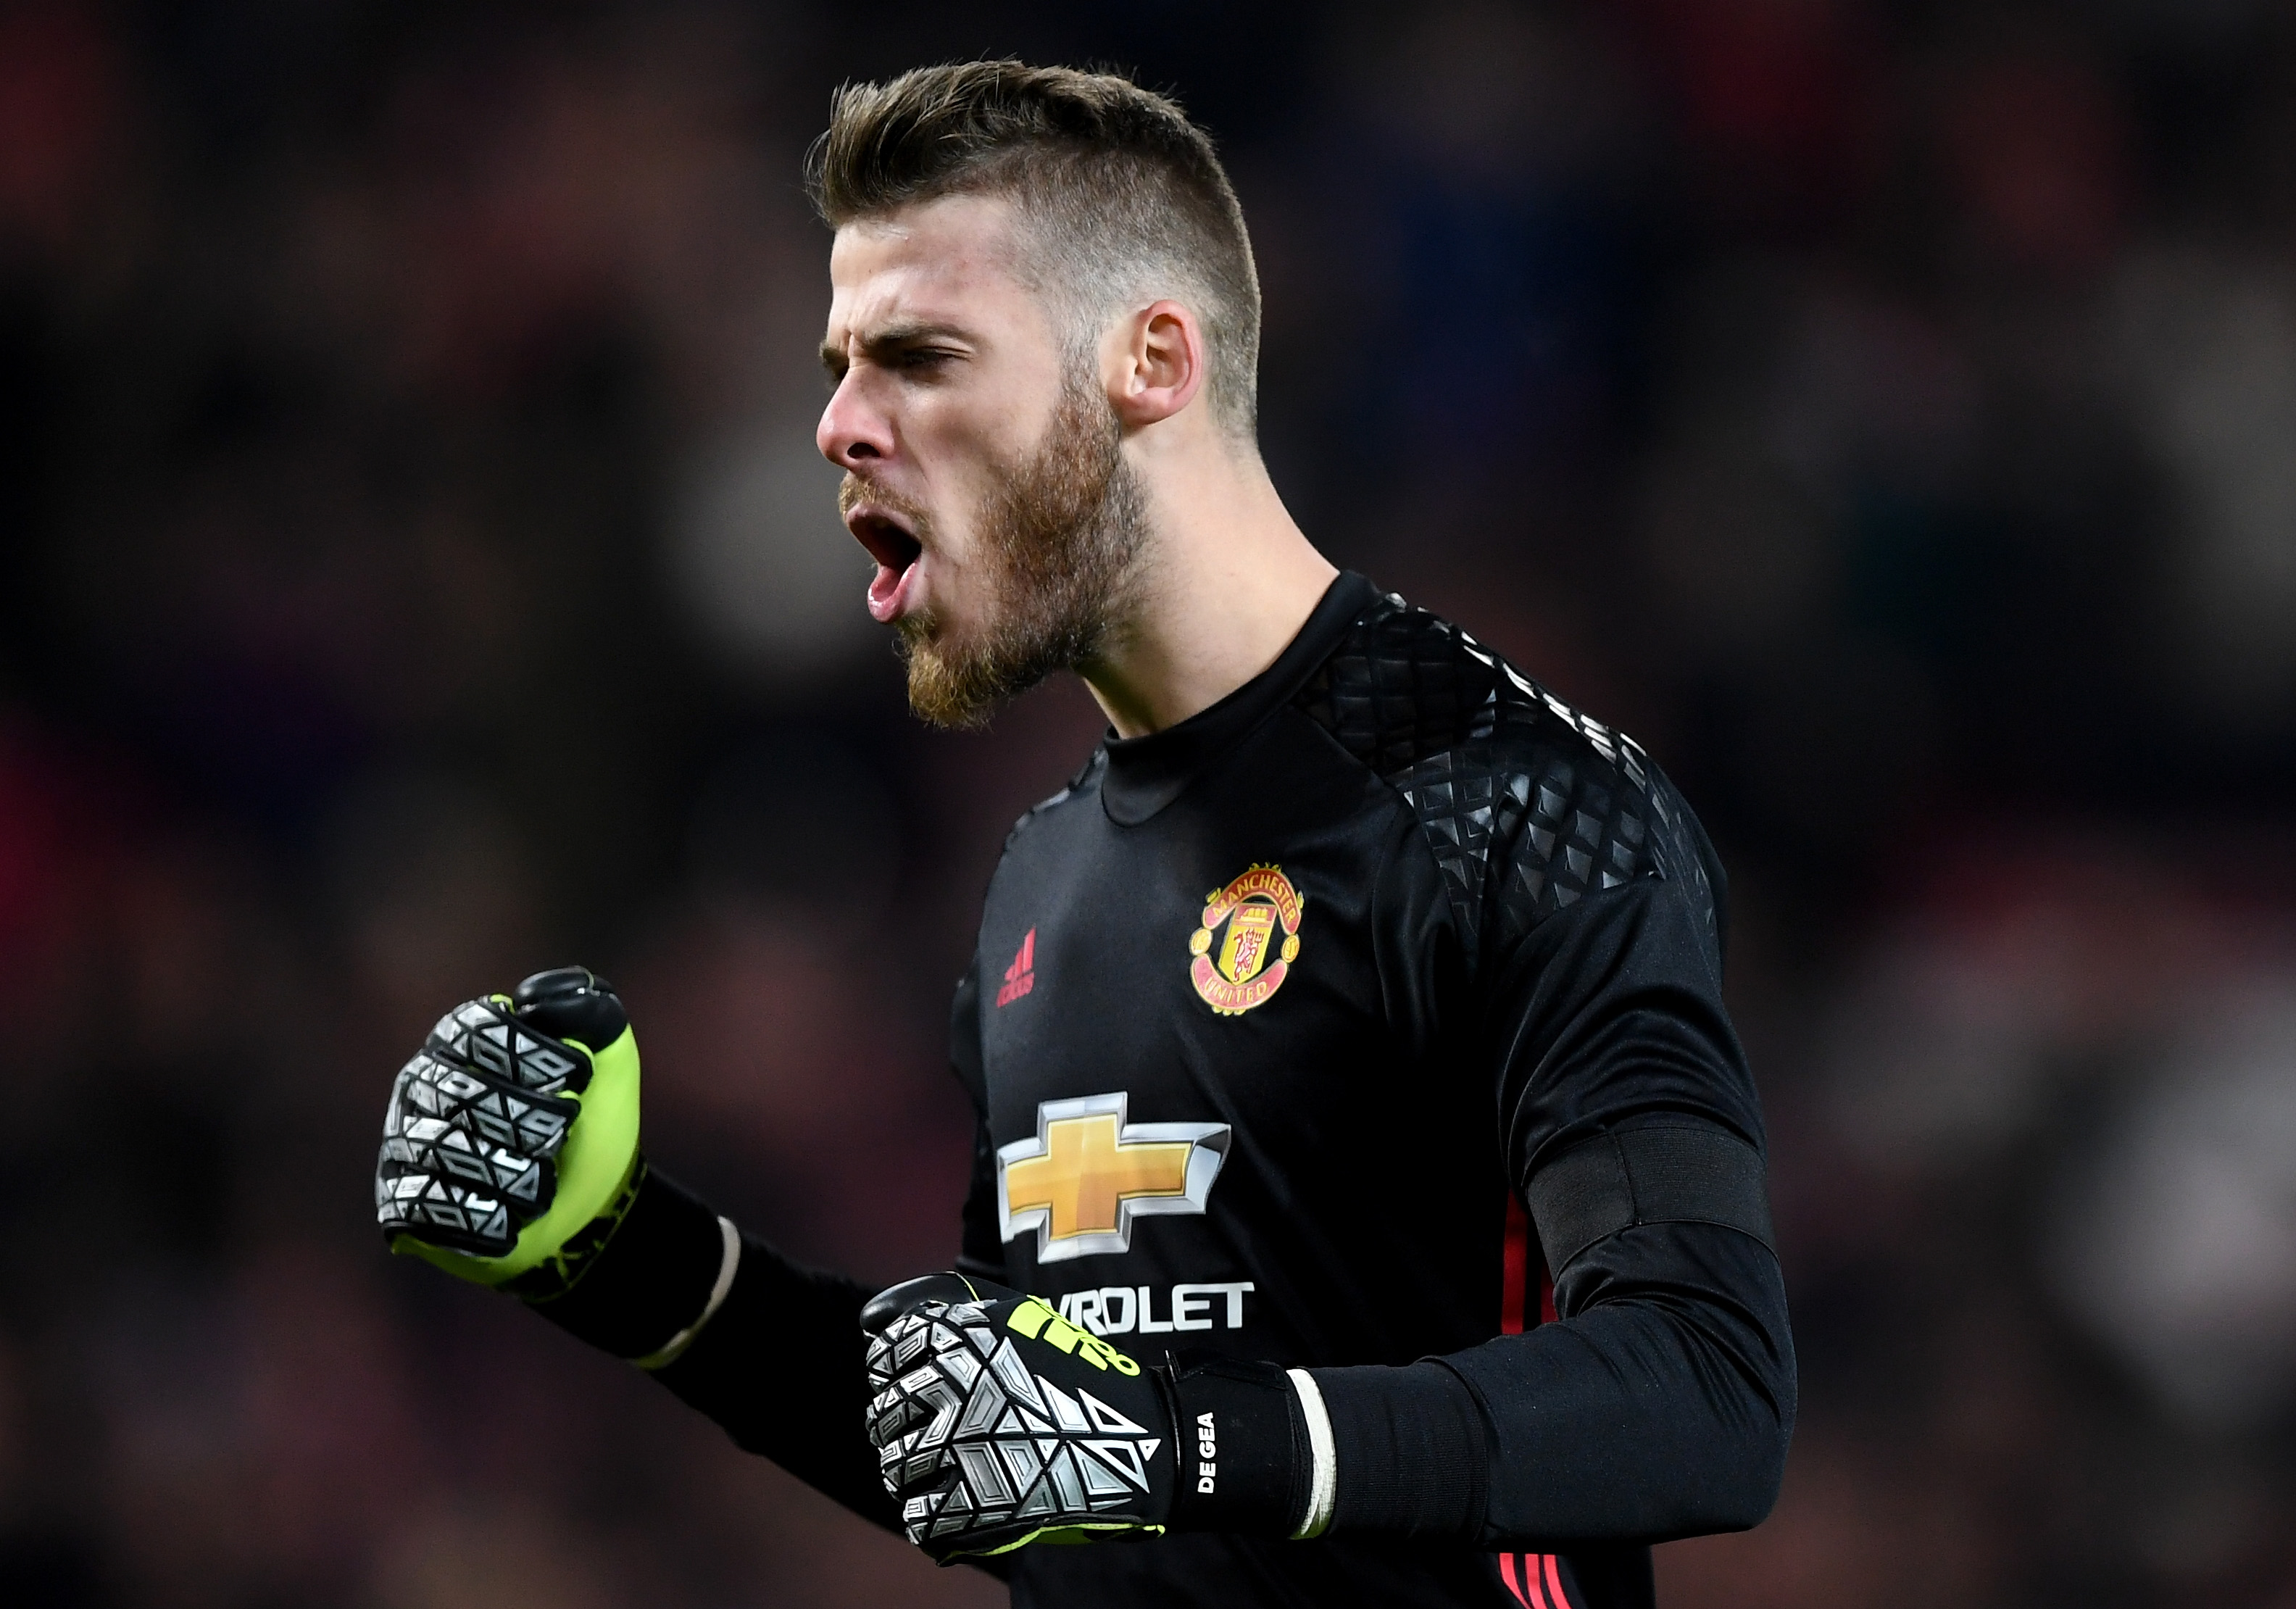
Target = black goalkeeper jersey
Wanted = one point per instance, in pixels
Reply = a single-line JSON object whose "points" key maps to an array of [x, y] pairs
{"points": [[1317, 1029]]}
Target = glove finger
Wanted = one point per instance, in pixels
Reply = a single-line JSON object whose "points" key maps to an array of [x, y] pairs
{"points": [[465, 1162], [486, 1036], [907, 1390], [488, 1111], [442, 1211], [574, 1004]]}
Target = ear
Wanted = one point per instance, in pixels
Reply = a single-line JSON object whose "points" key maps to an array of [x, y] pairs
{"points": [[1159, 365]]}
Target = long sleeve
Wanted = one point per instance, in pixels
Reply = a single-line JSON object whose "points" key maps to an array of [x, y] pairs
{"points": [[778, 1365], [1660, 1403], [981, 1251], [759, 1368]]}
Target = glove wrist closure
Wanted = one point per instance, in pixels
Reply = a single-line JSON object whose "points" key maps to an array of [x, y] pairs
{"points": [[1245, 1467]]}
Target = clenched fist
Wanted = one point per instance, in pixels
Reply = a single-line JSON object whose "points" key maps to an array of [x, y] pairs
{"points": [[510, 1147]]}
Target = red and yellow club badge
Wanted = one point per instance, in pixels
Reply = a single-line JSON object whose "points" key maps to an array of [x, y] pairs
{"points": [[1253, 956]]}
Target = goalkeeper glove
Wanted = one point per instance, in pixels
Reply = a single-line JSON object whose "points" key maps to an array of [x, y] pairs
{"points": [[998, 1423], [509, 1147]]}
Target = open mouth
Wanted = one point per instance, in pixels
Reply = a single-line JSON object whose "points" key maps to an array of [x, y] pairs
{"points": [[897, 552]]}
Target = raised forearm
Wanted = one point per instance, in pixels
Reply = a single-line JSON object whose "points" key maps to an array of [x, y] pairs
{"points": [[777, 1365]]}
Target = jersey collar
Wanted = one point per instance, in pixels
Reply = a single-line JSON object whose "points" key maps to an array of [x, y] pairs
{"points": [[1145, 774]]}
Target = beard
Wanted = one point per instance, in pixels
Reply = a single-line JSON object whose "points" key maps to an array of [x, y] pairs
{"points": [[1058, 539]]}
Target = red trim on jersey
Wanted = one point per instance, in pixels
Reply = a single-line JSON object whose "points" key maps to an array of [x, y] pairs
{"points": [[1515, 1270], [1523, 1572], [1522, 1579]]}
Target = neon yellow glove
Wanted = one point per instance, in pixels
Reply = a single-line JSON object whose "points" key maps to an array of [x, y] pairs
{"points": [[510, 1148]]}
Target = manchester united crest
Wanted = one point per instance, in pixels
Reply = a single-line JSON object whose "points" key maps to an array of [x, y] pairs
{"points": [[1249, 940]]}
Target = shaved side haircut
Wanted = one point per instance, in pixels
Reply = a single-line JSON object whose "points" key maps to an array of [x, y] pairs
{"points": [[1122, 196]]}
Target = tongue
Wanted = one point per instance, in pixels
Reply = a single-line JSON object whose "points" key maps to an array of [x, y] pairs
{"points": [[886, 589]]}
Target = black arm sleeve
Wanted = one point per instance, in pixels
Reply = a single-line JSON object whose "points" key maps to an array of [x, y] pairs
{"points": [[1661, 1403], [779, 1366], [982, 1252]]}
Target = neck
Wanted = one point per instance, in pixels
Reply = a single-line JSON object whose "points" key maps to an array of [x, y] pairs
{"points": [[1226, 582]]}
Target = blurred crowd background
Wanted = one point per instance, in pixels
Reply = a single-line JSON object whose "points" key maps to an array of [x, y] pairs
{"points": [[414, 571]]}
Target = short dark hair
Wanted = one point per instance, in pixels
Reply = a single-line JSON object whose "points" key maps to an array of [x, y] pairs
{"points": [[1124, 195]]}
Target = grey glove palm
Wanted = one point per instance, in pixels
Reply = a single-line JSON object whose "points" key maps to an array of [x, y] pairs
{"points": [[998, 1423]]}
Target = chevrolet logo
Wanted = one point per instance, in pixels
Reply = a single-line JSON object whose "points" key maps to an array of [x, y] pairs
{"points": [[1086, 1174]]}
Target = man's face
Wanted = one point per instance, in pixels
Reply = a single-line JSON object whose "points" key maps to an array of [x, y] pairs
{"points": [[983, 470]]}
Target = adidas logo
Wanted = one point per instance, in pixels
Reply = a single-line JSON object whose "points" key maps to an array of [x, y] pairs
{"points": [[1020, 977]]}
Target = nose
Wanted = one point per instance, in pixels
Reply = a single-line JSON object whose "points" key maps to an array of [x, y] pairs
{"points": [[853, 433]]}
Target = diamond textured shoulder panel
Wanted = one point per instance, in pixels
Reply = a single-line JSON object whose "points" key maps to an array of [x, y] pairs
{"points": [[1528, 804]]}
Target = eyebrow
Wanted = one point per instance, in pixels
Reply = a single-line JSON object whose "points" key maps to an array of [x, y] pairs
{"points": [[891, 338]]}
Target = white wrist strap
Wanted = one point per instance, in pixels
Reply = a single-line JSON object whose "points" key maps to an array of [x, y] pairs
{"points": [[1323, 1487], [728, 1260]]}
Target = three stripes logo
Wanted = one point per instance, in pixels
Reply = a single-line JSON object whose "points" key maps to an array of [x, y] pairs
{"points": [[1020, 977], [1533, 1580]]}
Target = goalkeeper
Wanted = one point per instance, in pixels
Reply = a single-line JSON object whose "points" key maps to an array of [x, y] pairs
{"points": [[1367, 1201]]}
